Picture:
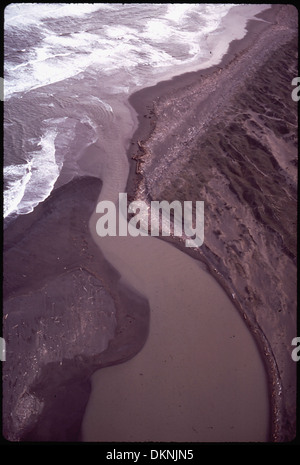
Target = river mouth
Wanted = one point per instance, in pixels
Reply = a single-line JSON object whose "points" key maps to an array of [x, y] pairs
{"points": [[166, 177], [187, 348]]}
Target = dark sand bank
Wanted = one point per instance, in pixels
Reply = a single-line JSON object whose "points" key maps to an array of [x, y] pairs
{"points": [[65, 315], [228, 136]]}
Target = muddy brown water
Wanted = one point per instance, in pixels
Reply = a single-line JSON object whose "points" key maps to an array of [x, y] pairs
{"points": [[200, 376]]}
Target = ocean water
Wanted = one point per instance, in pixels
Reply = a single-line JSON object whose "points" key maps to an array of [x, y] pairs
{"points": [[66, 66]]}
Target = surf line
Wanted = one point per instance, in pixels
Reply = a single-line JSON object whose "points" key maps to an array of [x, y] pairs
{"points": [[155, 218]]}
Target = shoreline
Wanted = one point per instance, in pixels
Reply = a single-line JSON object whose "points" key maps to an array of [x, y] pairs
{"points": [[54, 336], [142, 102]]}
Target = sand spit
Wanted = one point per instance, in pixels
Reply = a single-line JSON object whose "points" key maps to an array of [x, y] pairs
{"points": [[228, 136]]}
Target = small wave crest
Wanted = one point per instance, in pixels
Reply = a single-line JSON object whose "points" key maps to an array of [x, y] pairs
{"points": [[29, 184], [16, 178]]}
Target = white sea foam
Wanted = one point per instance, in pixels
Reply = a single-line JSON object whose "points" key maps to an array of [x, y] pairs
{"points": [[31, 183], [112, 44], [24, 14], [87, 120], [177, 11], [17, 177], [45, 171]]}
